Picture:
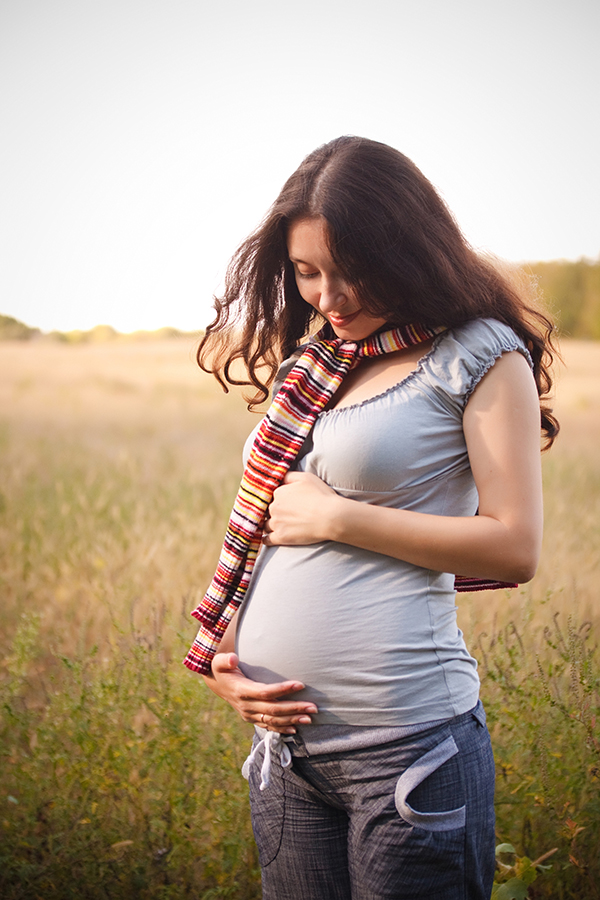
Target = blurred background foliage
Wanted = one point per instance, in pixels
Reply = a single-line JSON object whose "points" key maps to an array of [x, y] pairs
{"points": [[569, 290]]}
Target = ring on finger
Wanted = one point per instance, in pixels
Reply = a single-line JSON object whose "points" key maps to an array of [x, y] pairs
{"points": [[262, 718]]}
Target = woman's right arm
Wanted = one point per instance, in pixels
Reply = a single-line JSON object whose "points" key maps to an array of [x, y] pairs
{"points": [[258, 703]]}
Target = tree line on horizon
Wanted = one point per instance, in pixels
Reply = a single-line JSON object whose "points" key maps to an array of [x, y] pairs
{"points": [[12, 329], [570, 291]]}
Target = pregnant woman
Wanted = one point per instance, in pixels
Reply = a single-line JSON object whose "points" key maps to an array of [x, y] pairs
{"points": [[402, 449]]}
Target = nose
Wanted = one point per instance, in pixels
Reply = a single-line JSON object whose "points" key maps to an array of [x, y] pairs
{"points": [[334, 295]]}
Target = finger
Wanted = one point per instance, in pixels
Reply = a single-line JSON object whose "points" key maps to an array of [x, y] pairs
{"points": [[282, 721], [290, 477], [225, 662], [286, 712], [282, 724], [265, 697], [272, 692], [256, 691]]}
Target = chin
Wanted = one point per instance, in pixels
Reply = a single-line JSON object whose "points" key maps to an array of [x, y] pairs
{"points": [[358, 329]]}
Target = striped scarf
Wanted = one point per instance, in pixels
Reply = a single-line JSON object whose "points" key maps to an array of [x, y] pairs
{"points": [[305, 392]]}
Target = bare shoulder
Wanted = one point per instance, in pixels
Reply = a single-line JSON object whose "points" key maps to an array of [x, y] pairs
{"points": [[509, 378]]}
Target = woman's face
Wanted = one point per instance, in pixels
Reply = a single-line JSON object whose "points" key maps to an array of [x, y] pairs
{"points": [[321, 284]]}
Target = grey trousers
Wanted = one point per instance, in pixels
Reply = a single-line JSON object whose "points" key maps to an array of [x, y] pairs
{"points": [[408, 819]]}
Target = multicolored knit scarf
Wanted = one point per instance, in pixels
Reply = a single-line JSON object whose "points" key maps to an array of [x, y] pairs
{"points": [[303, 395]]}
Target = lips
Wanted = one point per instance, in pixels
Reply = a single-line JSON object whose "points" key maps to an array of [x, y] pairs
{"points": [[343, 321]]}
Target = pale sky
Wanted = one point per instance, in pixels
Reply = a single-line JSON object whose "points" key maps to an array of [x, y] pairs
{"points": [[143, 139]]}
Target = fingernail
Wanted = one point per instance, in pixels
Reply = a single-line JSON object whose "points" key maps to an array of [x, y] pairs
{"points": [[312, 709], [304, 720]]}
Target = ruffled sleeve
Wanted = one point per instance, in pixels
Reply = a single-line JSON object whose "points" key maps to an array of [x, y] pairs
{"points": [[465, 354]]}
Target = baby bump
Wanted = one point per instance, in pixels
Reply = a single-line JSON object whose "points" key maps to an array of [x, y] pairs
{"points": [[346, 623]]}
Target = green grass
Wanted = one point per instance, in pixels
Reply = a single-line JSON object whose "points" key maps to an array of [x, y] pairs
{"points": [[542, 694], [124, 783], [120, 772]]}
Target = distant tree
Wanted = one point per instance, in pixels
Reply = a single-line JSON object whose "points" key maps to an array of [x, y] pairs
{"points": [[13, 330], [572, 294]]}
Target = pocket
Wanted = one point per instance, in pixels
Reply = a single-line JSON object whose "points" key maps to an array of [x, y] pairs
{"points": [[267, 810], [479, 714], [416, 775]]}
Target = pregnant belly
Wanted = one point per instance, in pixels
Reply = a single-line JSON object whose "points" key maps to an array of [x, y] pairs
{"points": [[342, 621]]}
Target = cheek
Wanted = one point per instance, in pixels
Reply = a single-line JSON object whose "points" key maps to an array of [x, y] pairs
{"points": [[309, 295]]}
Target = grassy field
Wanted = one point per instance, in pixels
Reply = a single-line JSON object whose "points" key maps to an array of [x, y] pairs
{"points": [[120, 772]]}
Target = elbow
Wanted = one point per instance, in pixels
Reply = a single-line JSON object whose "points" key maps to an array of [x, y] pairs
{"points": [[524, 572], [523, 565], [516, 572], [518, 552]]}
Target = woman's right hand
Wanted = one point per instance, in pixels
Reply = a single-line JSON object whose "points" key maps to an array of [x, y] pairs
{"points": [[258, 703]]}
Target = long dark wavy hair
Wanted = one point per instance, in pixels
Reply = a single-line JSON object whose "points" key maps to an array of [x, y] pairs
{"points": [[395, 243]]}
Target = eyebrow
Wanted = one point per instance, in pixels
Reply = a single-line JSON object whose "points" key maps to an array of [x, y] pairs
{"points": [[294, 259]]}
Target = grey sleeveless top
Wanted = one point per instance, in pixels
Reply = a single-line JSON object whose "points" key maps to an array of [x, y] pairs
{"points": [[375, 639]]}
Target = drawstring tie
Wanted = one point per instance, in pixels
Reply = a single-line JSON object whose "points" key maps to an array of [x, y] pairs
{"points": [[273, 742]]}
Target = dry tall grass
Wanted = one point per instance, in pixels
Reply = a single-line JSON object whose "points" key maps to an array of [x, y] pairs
{"points": [[147, 412], [128, 439], [118, 466]]}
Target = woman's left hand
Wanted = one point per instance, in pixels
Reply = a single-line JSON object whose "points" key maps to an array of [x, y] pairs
{"points": [[301, 511]]}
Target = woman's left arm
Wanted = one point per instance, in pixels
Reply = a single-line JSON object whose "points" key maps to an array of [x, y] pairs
{"points": [[502, 432]]}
